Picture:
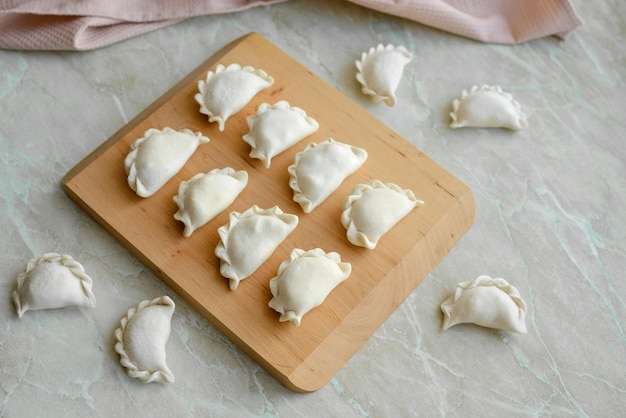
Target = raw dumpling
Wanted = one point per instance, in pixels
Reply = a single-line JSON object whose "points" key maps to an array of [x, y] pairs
{"points": [[373, 209], [157, 156], [380, 71], [52, 281], [249, 239], [319, 170], [304, 281], [276, 128], [206, 195], [227, 90], [487, 107], [141, 340], [488, 302]]}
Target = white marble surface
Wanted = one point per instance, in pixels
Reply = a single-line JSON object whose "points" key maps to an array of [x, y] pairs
{"points": [[550, 219]]}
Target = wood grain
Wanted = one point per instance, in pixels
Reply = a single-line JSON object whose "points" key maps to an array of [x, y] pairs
{"points": [[302, 358]]}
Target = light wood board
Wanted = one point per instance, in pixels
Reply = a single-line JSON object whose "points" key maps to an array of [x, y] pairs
{"points": [[302, 358]]}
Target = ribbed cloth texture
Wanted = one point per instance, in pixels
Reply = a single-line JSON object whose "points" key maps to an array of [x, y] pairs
{"points": [[494, 21], [89, 24]]}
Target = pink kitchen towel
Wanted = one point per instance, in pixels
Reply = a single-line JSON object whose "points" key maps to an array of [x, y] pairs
{"points": [[89, 24], [494, 21]]}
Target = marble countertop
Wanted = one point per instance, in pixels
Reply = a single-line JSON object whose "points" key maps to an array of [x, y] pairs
{"points": [[550, 219]]}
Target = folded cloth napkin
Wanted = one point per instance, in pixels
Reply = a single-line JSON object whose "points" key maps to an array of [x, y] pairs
{"points": [[89, 24], [497, 21]]}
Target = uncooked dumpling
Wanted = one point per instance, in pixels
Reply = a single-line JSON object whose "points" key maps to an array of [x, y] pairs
{"points": [[157, 156], [227, 90], [487, 107], [276, 128], [249, 239], [320, 169], [53, 281], [141, 340], [488, 302], [380, 71], [304, 281], [206, 195], [373, 209]]}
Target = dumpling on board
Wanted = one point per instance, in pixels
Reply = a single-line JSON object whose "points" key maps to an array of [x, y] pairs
{"points": [[320, 169], [205, 195], [227, 90], [275, 128], [487, 107], [304, 281], [373, 209], [380, 71], [157, 156], [249, 239], [141, 340], [53, 281], [487, 302]]}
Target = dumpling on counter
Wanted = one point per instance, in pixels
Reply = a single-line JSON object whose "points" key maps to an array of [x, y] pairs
{"points": [[53, 281], [227, 90], [304, 281], [206, 195], [275, 128], [141, 340], [249, 239], [320, 169], [380, 71], [487, 302], [487, 107], [157, 156], [373, 209]]}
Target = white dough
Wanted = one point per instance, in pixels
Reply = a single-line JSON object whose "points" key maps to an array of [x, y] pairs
{"points": [[380, 71], [304, 281], [373, 209], [320, 169], [276, 128], [227, 90], [205, 195], [157, 156], [249, 239], [141, 340], [52, 281], [488, 302], [487, 107]]}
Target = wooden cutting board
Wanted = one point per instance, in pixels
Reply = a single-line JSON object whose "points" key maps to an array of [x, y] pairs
{"points": [[302, 358]]}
